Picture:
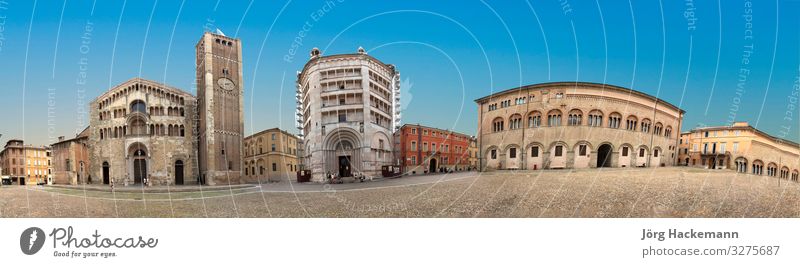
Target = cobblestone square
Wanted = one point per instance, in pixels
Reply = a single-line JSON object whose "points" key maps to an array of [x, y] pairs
{"points": [[607, 193]]}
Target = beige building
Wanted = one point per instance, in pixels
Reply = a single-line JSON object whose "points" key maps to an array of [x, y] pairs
{"points": [[576, 125], [742, 148], [270, 156], [347, 110], [70, 162]]}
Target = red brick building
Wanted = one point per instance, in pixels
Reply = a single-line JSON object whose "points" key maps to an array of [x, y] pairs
{"points": [[422, 149]]}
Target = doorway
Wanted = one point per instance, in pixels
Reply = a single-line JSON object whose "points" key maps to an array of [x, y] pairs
{"points": [[432, 167], [106, 168], [139, 171], [604, 156], [179, 172], [139, 166], [344, 166]]}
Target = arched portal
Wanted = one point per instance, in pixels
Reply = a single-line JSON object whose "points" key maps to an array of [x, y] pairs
{"points": [[179, 172], [604, 156], [343, 151]]}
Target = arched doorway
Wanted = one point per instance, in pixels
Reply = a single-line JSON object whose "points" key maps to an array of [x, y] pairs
{"points": [[604, 156], [179, 172], [342, 152], [106, 173], [432, 167], [139, 167]]}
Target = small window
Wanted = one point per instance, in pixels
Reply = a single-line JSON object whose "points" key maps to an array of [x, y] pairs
{"points": [[274, 167], [343, 117], [494, 154], [655, 153], [641, 152], [624, 151], [512, 153], [559, 151], [582, 150], [535, 151]]}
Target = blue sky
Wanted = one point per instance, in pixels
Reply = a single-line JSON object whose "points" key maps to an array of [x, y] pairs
{"points": [[448, 52]]}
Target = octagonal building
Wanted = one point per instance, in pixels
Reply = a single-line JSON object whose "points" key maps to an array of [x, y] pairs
{"points": [[347, 109]]}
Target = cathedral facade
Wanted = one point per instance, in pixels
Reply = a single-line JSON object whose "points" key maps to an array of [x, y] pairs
{"points": [[141, 132], [148, 133]]}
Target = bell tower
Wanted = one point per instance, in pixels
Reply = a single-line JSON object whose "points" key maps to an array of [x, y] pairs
{"points": [[221, 108]]}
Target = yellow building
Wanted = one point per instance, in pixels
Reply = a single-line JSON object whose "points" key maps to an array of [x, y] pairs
{"points": [[270, 156], [742, 148], [37, 164]]}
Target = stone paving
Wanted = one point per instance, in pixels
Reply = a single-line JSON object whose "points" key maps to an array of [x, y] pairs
{"points": [[614, 193]]}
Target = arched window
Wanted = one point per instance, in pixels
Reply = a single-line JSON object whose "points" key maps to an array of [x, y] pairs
{"points": [[138, 106], [741, 165], [631, 122], [595, 118], [575, 117], [657, 130], [515, 122], [554, 118], [758, 167], [614, 120], [668, 131], [646, 125], [497, 124], [534, 119]]}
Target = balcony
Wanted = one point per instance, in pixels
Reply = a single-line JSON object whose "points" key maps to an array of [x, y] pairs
{"points": [[713, 153], [137, 113]]}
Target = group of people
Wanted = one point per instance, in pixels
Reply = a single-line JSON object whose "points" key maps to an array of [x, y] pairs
{"points": [[333, 178]]}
